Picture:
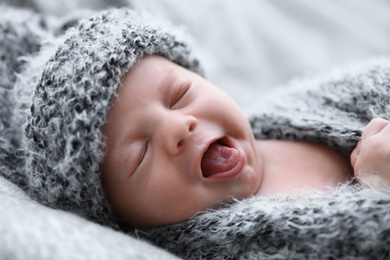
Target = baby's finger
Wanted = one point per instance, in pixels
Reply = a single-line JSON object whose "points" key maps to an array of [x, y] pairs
{"points": [[375, 126], [386, 129], [355, 153]]}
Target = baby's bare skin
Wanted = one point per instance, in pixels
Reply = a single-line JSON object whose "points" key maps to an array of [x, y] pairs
{"points": [[298, 166]]}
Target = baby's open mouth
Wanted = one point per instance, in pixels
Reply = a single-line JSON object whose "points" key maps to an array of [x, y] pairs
{"points": [[219, 158]]}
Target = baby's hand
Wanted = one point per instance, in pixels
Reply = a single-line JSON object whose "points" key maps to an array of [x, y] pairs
{"points": [[371, 157]]}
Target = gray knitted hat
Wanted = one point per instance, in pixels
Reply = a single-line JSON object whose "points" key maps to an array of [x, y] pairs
{"points": [[64, 142]]}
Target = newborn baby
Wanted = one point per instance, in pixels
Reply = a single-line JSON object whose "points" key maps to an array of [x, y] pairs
{"points": [[177, 145], [122, 127]]}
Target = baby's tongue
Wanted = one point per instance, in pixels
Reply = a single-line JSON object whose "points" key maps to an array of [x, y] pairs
{"points": [[218, 158]]}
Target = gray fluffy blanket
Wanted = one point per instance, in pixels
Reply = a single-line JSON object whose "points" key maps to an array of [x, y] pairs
{"points": [[348, 223]]}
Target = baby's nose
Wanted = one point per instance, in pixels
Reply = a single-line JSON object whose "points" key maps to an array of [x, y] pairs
{"points": [[177, 131]]}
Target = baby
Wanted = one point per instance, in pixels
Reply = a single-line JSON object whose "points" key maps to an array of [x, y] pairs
{"points": [[123, 127], [186, 147]]}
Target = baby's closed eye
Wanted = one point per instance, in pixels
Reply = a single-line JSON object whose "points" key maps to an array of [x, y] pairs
{"points": [[182, 90], [142, 153]]}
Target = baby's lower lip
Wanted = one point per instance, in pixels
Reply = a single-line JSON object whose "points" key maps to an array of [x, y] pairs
{"points": [[236, 170]]}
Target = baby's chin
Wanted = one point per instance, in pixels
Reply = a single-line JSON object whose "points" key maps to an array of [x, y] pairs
{"points": [[249, 183]]}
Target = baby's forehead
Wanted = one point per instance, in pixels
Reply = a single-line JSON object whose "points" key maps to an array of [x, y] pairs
{"points": [[152, 78], [152, 74]]}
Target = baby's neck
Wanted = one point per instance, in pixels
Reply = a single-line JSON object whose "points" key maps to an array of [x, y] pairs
{"points": [[290, 167]]}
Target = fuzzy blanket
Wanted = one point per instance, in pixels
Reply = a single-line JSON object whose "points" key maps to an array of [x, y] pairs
{"points": [[347, 223]]}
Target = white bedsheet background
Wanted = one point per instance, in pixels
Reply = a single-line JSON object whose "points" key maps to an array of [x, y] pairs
{"points": [[250, 46]]}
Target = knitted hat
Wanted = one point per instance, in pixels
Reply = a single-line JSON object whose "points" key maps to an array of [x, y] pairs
{"points": [[64, 141]]}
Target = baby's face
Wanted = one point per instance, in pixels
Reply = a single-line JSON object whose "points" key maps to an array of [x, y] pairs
{"points": [[161, 124]]}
